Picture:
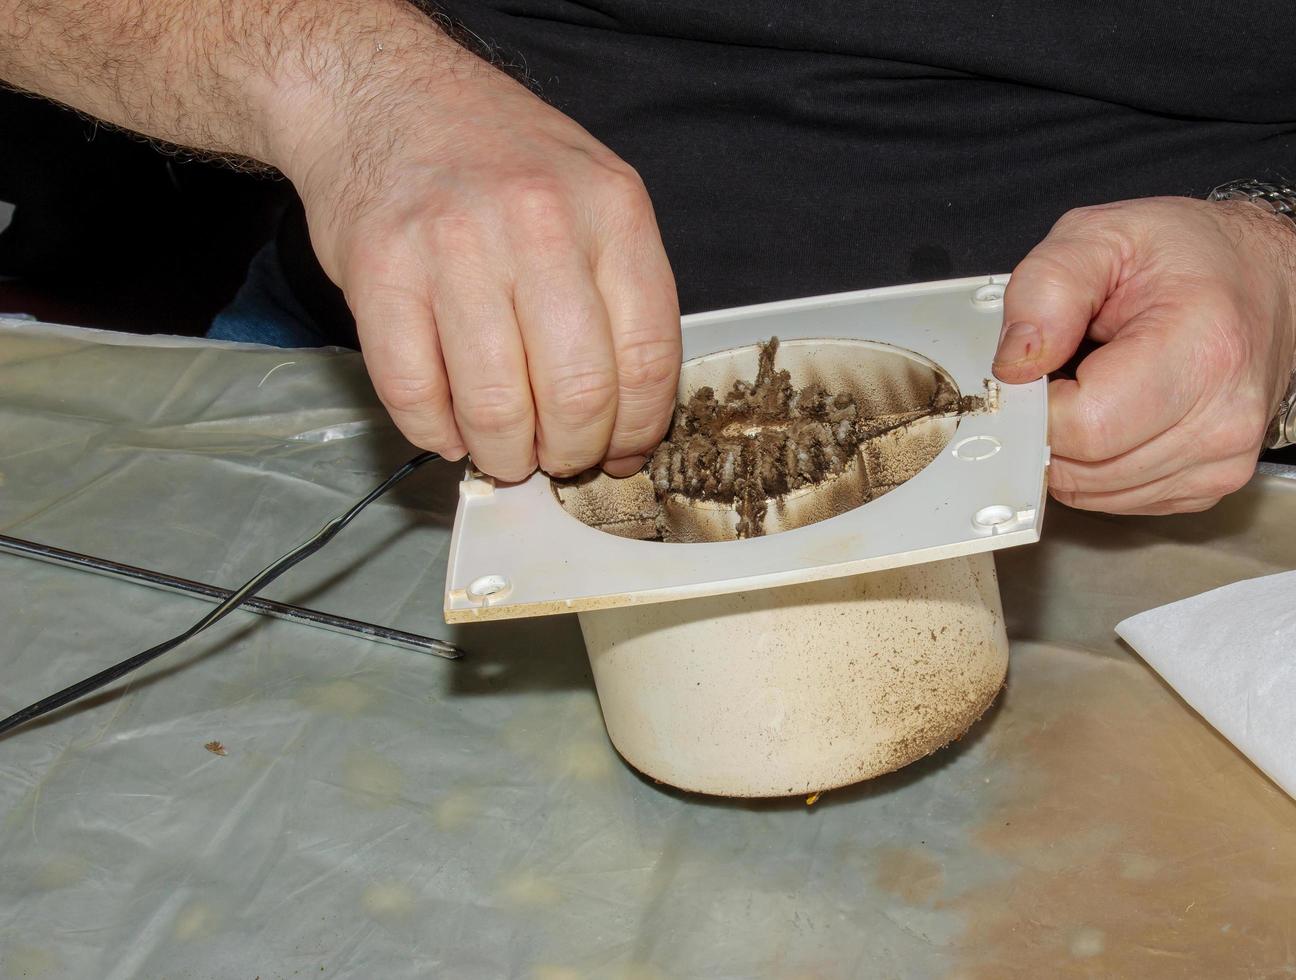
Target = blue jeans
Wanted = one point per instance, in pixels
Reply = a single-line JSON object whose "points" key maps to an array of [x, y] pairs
{"points": [[265, 311]]}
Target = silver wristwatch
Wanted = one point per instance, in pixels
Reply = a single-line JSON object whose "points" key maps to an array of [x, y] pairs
{"points": [[1281, 200], [1282, 430]]}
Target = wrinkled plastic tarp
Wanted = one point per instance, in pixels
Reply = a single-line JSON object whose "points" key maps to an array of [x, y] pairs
{"points": [[382, 813]]}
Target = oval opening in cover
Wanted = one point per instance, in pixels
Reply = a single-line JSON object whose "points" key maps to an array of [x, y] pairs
{"points": [[773, 437]]}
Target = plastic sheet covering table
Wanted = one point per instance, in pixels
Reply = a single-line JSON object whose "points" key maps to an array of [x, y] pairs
{"points": [[379, 813]]}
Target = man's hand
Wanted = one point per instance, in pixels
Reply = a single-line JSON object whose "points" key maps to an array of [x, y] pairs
{"points": [[1194, 305], [506, 272], [509, 284]]}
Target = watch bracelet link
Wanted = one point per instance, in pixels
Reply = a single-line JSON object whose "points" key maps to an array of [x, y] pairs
{"points": [[1280, 199]]}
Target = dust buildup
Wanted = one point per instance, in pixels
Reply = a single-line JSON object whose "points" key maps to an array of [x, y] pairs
{"points": [[766, 439], [768, 455]]}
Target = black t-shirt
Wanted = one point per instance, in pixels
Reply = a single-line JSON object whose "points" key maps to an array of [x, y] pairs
{"points": [[797, 148]]}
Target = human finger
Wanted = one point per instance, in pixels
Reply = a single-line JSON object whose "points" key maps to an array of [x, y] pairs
{"points": [[1125, 392], [570, 358], [402, 353], [638, 286], [1183, 505], [1054, 294], [1208, 481], [487, 369], [1162, 455]]}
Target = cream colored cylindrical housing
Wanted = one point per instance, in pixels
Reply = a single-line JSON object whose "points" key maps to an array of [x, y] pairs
{"points": [[804, 688]]}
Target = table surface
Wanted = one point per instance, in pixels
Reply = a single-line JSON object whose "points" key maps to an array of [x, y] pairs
{"points": [[381, 813]]}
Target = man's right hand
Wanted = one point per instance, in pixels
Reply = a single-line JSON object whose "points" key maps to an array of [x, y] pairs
{"points": [[504, 267], [507, 277]]}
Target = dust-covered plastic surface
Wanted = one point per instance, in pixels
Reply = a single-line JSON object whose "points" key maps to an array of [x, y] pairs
{"points": [[379, 813]]}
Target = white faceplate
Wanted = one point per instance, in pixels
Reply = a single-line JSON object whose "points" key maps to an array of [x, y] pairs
{"points": [[516, 552]]}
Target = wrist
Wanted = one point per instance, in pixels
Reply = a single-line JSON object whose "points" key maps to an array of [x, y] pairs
{"points": [[1273, 233], [333, 91], [1282, 229], [1269, 210], [1271, 225]]}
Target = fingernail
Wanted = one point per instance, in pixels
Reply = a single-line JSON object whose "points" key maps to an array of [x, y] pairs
{"points": [[1018, 342], [625, 466]]}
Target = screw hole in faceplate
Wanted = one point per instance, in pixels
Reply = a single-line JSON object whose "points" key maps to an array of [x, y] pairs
{"points": [[994, 516], [487, 586], [988, 296]]}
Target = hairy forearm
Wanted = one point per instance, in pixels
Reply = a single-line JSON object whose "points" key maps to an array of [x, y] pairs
{"points": [[244, 78]]}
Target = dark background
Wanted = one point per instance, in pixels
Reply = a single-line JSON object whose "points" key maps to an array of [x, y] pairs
{"points": [[111, 232]]}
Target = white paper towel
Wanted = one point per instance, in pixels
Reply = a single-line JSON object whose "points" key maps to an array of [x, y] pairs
{"points": [[1231, 654]]}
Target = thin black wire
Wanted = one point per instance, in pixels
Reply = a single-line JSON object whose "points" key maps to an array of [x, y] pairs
{"points": [[237, 598]]}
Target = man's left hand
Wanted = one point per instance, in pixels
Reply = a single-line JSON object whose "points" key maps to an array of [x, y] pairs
{"points": [[1194, 306]]}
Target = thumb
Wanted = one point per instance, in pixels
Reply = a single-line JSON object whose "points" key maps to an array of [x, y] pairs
{"points": [[1053, 296]]}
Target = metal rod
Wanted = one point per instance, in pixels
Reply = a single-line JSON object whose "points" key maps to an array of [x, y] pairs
{"points": [[212, 593]]}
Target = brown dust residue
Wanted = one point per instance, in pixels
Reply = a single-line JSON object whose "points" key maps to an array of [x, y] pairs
{"points": [[1134, 840], [912, 875], [767, 438], [835, 428]]}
